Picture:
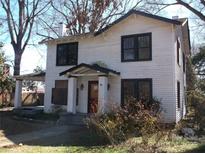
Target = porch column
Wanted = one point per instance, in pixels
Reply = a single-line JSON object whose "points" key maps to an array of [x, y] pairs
{"points": [[102, 93], [72, 85], [18, 94]]}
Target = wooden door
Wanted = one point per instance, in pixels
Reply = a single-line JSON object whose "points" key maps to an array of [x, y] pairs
{"points": [[92, 96]]}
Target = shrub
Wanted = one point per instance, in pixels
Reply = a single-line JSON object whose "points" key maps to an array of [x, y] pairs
{"points": [[196, 101], [132, 120]]}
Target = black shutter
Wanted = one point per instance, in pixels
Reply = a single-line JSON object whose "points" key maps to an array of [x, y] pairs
{"points": [[178, 94]]}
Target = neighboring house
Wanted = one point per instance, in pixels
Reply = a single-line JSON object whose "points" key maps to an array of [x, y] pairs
{"points": [[140, 55]]}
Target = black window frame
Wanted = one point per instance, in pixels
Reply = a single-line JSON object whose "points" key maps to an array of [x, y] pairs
{"points": [[178, 50], [67, 63], [178, 95], [136, 86], [136, 48], [184, 63]]}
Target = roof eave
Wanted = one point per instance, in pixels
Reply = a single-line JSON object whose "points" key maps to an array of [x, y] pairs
{"points": [[100, 69], [65, 38]]}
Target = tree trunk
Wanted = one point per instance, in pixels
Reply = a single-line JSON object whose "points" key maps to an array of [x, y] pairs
{"points": [[17, 62]]}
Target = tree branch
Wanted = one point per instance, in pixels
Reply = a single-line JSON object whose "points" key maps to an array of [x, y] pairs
{"points": [[192, 9]]}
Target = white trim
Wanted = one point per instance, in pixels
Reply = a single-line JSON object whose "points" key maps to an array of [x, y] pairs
{"points": [[72, 88]]}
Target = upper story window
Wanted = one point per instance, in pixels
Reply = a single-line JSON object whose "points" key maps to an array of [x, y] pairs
{"points": [[178, 50], [67, 54], [136, 47]]}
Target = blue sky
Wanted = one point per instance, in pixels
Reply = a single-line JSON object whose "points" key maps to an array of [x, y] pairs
{"points": [[36, 55]]}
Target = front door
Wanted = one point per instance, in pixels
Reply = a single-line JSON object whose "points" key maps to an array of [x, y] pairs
{"points": [[92, 96]]}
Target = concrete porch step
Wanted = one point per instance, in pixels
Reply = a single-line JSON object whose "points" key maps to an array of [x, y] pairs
{"points": [[72, 119]]}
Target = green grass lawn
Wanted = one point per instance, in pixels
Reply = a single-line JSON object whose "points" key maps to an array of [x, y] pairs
{"points": [[61, 149], [177, 145], [184, 145]]}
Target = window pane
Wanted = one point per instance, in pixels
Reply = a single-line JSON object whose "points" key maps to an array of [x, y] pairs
{"points": [[72, 54], [144, 41], [129, 54], [144, 47], [128, 43], [144, 88], [144, 53], [62, 54], [129, 90]]}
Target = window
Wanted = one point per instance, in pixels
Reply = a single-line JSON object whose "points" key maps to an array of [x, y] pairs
{"points": [[61, 83], [184, 63], [67, 54], [136, 47], [144, 90], [77, 95], [129, 48], [178, 48], [141, 89], [178, 94], [60, 92], [144, 47]]}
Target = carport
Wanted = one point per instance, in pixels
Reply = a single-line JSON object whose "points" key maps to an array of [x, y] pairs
{"points": [[39, 76]]}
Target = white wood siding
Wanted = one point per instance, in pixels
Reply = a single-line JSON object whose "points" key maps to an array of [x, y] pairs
{"points": [[107, 48], [180, 75]]}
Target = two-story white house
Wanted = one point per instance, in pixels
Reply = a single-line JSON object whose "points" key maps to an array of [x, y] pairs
{"points": [[138, 55]]}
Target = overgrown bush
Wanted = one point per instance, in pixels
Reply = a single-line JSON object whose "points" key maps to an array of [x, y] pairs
{"points": [[195, 91], [132, 120], [196, 109], [6, 81]]}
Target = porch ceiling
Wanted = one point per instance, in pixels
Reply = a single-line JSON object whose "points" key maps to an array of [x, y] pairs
{"points": [[89, 70], [39, 76]]}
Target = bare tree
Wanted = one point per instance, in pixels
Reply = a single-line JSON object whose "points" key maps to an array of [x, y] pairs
{"points": [[82, 16], [20, 16], [195, 6]]}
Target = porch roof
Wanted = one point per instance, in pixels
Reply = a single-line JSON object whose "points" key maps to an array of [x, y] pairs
{"points": [[89, 70], [39, 76]]}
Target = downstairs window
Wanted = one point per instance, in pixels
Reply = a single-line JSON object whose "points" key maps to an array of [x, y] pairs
{"points": [[140, 89]]}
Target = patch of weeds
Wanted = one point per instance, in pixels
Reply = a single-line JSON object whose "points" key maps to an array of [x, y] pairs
{"points": [[63, 149], [180, 144], [134, 119], [197, 149], [92, 138]]}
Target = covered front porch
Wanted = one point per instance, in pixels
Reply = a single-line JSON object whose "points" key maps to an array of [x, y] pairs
{"points": [[88, 88]]}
